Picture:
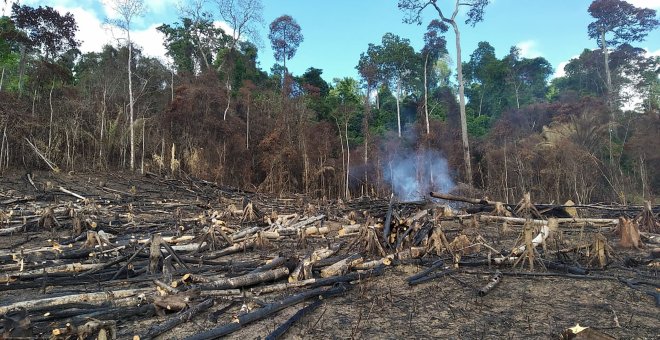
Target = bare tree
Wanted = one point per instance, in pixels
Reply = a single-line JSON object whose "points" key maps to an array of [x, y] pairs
{"points": [[413, 9], [243, 16], [128, 10]]}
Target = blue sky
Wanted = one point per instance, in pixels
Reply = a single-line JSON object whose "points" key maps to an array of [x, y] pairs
{"points": [[336, 32]]}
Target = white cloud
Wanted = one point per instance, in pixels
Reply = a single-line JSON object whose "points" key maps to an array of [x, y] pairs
{"points": [[528, 49], [559, 71], [655, 4]]}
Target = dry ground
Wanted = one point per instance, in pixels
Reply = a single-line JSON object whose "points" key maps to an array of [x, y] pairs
{"points": [[385, 307]]}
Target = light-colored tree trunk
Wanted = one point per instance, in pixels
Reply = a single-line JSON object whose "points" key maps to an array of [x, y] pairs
{"points": [[228, 87], [105, 91], [367, 114], [21, 70], [130, 99], [2, 77], [608, 84], [348, 160], [50, 123], [144, 137], [461, 97], [343, 152], [426, 94], [398, 105]]}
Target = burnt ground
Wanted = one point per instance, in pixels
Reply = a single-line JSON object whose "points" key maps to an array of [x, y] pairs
{"points": [[522, 306]]}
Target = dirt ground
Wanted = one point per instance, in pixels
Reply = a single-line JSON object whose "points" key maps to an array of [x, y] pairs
{"points": [[522, 306]]}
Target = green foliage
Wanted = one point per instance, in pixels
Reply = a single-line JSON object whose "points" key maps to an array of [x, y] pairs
{"points": [[45, 29], [478, 126], [192, 43]]}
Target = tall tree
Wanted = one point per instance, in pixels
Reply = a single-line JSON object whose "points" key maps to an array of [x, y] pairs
{"points": [[243, 16], [398, 63], [192, 43], [435, 45], [618, 22], [285, 37], [475, 14], [368, 68], [45, 30], [626, 23], [128, 11], [526, 77], [346, 98]]}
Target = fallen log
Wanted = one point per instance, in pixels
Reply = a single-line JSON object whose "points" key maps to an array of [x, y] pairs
{"points": [[66, 268], [66, 191], [494, 281], [266, 311], [246, 280], [178, 319], [520, 220], [341, 267], [97, 297], [283, 328]]}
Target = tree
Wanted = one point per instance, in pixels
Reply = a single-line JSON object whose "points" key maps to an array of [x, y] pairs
{"points": [[46, 29], [242, 16], [285, 37], [435, 45], [625, 22], [129, 10], [368, 68], [398, 62], [192, 43], [43, 29], [475, 14], [527, 77], [346, 97]]}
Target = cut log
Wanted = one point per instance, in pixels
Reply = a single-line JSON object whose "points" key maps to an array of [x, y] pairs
{"points": [[282, 329], [494, 281], [266, 311], [341, 267], [98, 297], [574, 221], [66, 268], [246, 280], [178, 319]]}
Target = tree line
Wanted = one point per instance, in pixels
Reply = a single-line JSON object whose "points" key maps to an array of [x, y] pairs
{"points": [[501, 125]]}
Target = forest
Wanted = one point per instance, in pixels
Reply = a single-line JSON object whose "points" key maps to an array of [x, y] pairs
{"points": [[414, 121]]}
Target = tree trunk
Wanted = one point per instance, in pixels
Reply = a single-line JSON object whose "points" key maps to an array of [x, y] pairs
{"points": [[426, 94], [143, 142], [2, 78], [461, 97], [348, 160], [343, 158], [130, 99], [398, 106], [50, 123], [608, 84], [21, 70], [247, 130], [228, 86], [367, 115], [105, 91]]}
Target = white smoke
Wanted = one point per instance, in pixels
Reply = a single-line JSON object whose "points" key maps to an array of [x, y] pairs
{"points": [[414, 174]]}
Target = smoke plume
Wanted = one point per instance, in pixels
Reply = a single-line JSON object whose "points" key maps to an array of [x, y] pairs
{"points": [[414, 174]]}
